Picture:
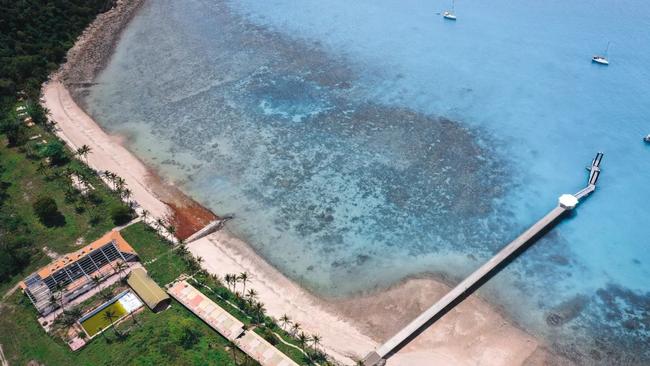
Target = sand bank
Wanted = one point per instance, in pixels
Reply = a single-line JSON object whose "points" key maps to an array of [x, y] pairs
{"points": [[471, 334]]}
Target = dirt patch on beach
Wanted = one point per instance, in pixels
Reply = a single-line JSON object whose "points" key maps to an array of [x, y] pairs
{"points": [[185, 214], [189, 217]]}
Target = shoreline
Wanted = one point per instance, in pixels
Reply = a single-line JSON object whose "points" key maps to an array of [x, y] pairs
{"points": [[472, 333]]}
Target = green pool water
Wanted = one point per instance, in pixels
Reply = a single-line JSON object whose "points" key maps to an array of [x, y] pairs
{"points": [[100, 321]]}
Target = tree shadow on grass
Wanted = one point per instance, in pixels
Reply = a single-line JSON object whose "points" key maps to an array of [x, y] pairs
{"points": [[54, 220]]}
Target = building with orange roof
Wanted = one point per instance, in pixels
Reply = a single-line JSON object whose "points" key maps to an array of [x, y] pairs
{"points": [[75, 273]]}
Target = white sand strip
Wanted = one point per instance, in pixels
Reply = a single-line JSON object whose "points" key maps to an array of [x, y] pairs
{"points": [[76, 128]]}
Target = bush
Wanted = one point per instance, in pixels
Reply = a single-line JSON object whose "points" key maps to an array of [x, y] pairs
{"points": [[15, 131], [120, 215], [55, 151], [269, 336], [48, 212]]}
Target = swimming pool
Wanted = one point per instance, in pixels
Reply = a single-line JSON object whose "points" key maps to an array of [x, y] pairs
{"points": [[110, 312]]}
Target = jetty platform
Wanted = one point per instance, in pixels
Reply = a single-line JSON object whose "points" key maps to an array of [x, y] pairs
{"points": [[566, 202]]}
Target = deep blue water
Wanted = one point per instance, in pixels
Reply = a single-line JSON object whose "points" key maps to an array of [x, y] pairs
{"points": [[359, 143]]}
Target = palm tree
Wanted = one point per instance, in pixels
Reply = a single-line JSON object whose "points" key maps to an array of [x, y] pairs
{"points": [[110, 176], [106, 294], [235, 280], [295, 328], [228, 279], [285, 320], [120, 267], [99, 330], [315, 340], [198, 260], [97, 281], [171, 229], [42, 169], [126, 194], [251, 296], [259, 310], [160, 224], [60, 290], [53, 302], [109, 315], [233, 348], [119, 183], [243, 278], [182, 250], [144, 215], [132, 313], [303, 339], [83, 151]]}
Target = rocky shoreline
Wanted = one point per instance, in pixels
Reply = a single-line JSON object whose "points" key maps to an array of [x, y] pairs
{"points": [[92, 50]]}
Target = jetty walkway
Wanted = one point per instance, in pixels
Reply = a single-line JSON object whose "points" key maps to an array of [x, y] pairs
{"points": [[566, 203]]}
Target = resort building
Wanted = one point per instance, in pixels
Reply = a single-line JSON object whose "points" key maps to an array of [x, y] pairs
{"points": [[74, 274], [148, 290]]}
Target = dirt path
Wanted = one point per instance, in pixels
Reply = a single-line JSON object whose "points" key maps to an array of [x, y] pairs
{"points": [[10, 292], [3, 360]]}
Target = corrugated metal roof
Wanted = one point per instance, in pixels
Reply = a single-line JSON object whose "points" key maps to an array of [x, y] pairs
{"points": [[113, 236], [146, 288]]}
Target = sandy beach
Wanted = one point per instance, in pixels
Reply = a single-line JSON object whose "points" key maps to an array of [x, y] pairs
{"points": [[471, 334]]}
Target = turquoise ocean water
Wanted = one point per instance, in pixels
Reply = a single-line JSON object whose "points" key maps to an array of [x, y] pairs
{"points": [[359, 143]]}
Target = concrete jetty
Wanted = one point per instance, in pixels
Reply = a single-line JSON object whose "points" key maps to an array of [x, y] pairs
{"points": [[566, 203]]}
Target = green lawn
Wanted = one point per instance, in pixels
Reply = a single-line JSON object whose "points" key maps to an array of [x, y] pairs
{"points": [[167, 265]]}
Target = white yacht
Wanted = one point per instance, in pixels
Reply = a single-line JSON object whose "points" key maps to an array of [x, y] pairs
{"points": [[601, 59], [647, 138], [449, 14]]}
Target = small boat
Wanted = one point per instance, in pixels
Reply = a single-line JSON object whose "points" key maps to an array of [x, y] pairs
{"points": [[449, 14], [601, 59], [647, 138]]}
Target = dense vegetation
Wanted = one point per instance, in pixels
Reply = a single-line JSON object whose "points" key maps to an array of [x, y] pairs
{"points": [[34, 38]]}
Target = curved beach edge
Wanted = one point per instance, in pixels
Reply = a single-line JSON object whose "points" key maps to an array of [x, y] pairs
{"points": [[473, 333]]}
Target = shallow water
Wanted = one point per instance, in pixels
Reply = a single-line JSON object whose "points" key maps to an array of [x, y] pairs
{"points": [[358, 143]]}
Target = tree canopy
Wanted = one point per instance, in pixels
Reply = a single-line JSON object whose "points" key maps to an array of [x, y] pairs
{"points": [[34, 38]]}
